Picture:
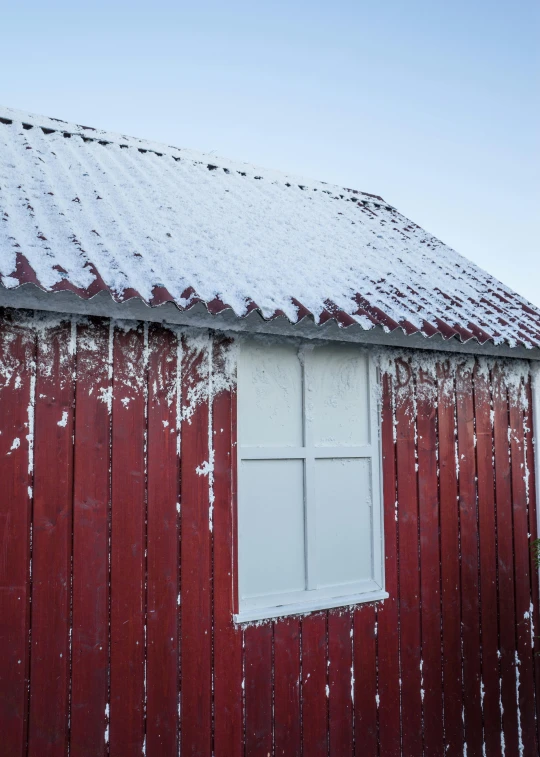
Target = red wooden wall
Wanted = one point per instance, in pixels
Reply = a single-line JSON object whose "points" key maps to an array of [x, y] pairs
{"points": [[117, 563]]}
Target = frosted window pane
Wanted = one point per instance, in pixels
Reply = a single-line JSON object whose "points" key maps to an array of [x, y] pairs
{"points": [[343, 493], [271, 527], [337, 385], [269, 396]]}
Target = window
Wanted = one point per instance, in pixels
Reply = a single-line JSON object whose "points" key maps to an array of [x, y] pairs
{"points": [[309, 492]]}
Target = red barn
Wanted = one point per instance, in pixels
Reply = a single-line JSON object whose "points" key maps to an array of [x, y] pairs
{"points": [[267, 464]]}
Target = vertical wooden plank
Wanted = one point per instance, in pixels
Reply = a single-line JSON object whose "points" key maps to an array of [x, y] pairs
{"points": [[16, 426], [532, 484], [470, 619], [314, 681], [430, 557], [524, 658], [505, 555], [339, 684], [365, 681], [287, 688], [258, 666], [387, 614], [450, 573], [196, 589], [163, 545], [51, 543], [228, 715], [488, 561], [409, 567], [128, 544], [90, 642]]}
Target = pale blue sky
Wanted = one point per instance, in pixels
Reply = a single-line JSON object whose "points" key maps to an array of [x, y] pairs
{"points": [[435, 105]]}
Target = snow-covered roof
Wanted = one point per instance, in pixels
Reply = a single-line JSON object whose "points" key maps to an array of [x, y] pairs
{"points": [[87, 211]]}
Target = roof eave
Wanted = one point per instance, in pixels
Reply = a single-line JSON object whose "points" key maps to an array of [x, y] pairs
{"points": [[31, 297]]}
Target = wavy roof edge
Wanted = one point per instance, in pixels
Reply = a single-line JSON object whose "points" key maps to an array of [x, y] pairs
{"points": [[30, 297], [216, 307]]}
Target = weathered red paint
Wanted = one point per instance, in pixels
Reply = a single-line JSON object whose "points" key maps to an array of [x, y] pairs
{"points": [[196, 561], [468, 521], [365, 631], [228, 693], [17, 352], [258, 683], [287, 688], [505, 558], [314, 682], [128, 543], [409, 567], [91, 500], [488, 564], [418, 673], [340, 705], [51, 545], [522, 573], [450, 576], [430, 560], [162, 546], [389, 670], [533, 530]]}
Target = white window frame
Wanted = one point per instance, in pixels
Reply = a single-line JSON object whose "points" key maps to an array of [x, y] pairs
{"points": [[299, 602]]}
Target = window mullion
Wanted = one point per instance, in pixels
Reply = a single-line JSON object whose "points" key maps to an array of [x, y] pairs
{"points": [[309, 486], [271, 453], [311, 523]]}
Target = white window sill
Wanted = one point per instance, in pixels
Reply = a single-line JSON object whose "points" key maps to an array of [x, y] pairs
{"points": [[308, 606]]}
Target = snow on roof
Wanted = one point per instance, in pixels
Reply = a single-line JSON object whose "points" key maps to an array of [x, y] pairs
{"points": [[87, 211]]}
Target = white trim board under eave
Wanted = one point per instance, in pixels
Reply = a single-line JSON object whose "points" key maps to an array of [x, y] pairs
{"points": [[31, 297]]}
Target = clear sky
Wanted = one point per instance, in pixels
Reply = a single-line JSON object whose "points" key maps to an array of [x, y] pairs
{"points": [[434, 105]]}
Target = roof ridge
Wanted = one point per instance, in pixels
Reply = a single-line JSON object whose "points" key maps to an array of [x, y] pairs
{"points": [[93, 134], [50, 124]]}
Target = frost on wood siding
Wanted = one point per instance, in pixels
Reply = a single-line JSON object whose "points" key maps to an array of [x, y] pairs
{"points": [[118, 561]]}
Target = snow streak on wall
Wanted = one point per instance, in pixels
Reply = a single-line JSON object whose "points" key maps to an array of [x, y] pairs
{"points": [[118, 575]]}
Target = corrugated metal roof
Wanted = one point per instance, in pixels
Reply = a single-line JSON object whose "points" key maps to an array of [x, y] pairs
{"points": [[88, 211]]}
